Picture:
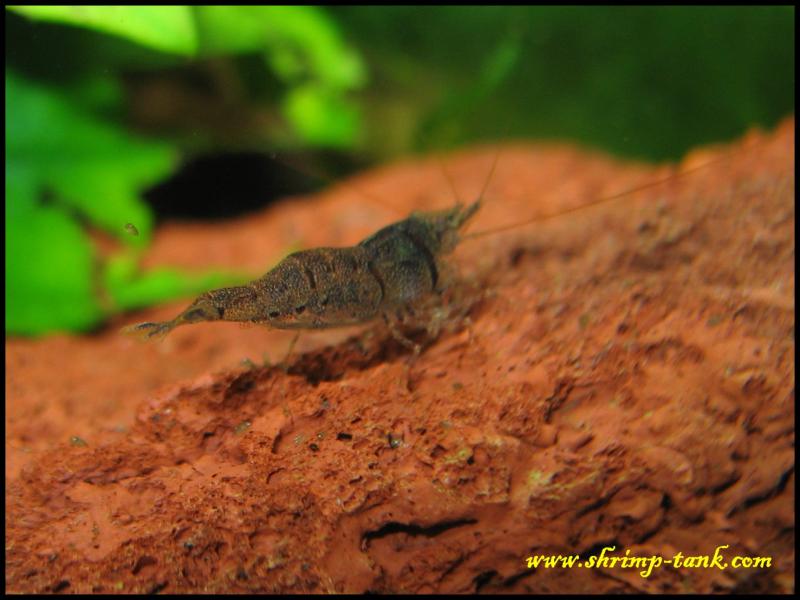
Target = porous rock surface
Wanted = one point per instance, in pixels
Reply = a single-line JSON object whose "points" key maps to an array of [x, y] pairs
{"points": [[625, 379]]}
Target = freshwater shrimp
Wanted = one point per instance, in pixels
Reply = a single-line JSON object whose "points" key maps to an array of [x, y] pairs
{"points": [[384, 275], [387, 275]]}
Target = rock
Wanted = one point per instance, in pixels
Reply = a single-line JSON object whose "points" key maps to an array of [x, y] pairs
{"points": [[626, 380]]}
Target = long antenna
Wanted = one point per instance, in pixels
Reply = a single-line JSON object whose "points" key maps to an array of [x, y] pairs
{"points": [[449, 179], [491, 173], [602, 200], [477, 204]]}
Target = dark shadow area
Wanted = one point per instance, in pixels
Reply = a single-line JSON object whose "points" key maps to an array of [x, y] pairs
{"points": [[226, 185]]}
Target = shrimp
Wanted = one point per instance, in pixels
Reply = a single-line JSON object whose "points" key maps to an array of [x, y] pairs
{"points": [[386, 275], [333, 287]]}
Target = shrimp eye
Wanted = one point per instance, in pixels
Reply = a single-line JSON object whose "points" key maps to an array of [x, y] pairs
{"points": [[300, 309]]}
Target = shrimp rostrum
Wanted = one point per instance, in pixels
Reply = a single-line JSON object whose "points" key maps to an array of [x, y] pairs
{"points": [[389, 272]]}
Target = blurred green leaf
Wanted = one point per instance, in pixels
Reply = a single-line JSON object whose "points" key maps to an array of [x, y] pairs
{"points": [[314, 38], [321, 116], [130, 289], [303, 47], [101, 95], [49, 269], [232, 29], [165, 28], [56, 151], [302, 42], [90, 165], [64, 161]]}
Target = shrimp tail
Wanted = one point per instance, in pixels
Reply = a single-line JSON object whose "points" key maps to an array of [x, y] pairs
{"points": [[149, 330]]}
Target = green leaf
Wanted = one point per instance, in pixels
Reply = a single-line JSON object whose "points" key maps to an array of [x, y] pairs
{"points": [[311, 39], [164, 28], [232, 29], [322, 117], [56, 151], [130, 289], [91, 165], [304, 48], [301, 41], [49, 269], [99, 94]]}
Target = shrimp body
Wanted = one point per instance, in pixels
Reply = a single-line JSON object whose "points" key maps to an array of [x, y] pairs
{"points": [[322, 288]]}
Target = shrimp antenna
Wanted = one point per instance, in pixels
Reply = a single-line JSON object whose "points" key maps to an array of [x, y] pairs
{"points": [[477, 204], [449, 179], [485, 183], [491, 173], [645, 186]]}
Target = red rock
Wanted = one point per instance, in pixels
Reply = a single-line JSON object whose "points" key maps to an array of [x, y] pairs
{"points": [[612, 343]]}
